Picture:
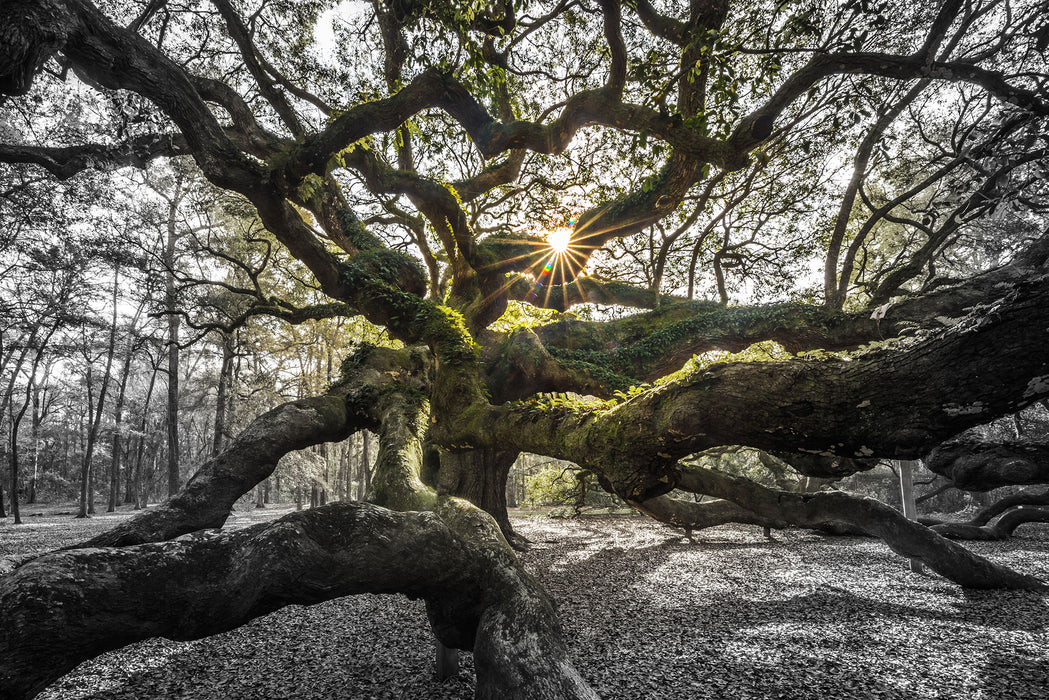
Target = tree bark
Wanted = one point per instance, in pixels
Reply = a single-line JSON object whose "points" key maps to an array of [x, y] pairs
{"points": [[171, 308], [974, 464], [479, 476], [1001, 529], [87, 495], [207, 498], [118, 417], [698, 516], [65, 607], [221, 399]]}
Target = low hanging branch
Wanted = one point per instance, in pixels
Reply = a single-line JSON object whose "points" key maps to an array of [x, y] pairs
{"points": [[699, 516], [1001, 529], [1015, 510], [206, 500]]}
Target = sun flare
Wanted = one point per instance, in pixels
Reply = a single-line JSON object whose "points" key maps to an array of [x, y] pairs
{"points": [[560, 239]]}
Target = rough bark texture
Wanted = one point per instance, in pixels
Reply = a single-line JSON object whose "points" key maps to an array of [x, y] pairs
{"points": [[699, 516], [479, 476]]}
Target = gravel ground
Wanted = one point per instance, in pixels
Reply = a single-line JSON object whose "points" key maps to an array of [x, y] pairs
{"points": [[646, 614]]}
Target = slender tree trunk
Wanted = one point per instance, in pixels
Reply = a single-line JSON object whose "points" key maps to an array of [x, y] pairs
{"points": [[6, 404], [365, 482], [37, 419], [87, 489], [221, 399], [14, 463], [118, 417], [16, 420], [171, 307]]}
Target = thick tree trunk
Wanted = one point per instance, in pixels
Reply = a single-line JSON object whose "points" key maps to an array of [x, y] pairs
{"points": [[479, 476], [65, 607]]}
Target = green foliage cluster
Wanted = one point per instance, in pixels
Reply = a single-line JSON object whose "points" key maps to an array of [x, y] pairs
{"points": [[595, 363], [556, 486], [521, 315], [560, 405]]}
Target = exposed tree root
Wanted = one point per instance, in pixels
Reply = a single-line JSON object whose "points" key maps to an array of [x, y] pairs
{"points": [[68, 606], [903, 536]]}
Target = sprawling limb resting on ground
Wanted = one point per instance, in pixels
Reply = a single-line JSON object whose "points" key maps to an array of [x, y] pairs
{"points": [[69, 606], [905, 537]]}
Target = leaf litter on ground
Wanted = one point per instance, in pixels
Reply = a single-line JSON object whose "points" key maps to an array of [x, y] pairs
{"points": [[646, 614]]}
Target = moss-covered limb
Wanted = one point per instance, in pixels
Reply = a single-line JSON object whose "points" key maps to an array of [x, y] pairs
{"points": [[517, 366], [582, 290], [66, 607], [699, 516], [651, 344], [1000, 529], [403, 414], [905, 537], [897, 403], [322, 196], [974, 464]]}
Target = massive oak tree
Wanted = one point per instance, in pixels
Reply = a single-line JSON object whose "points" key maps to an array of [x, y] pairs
{"points": [[857, 189]]}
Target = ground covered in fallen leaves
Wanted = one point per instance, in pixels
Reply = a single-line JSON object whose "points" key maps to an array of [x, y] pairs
{"points": [[646, 613]]}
